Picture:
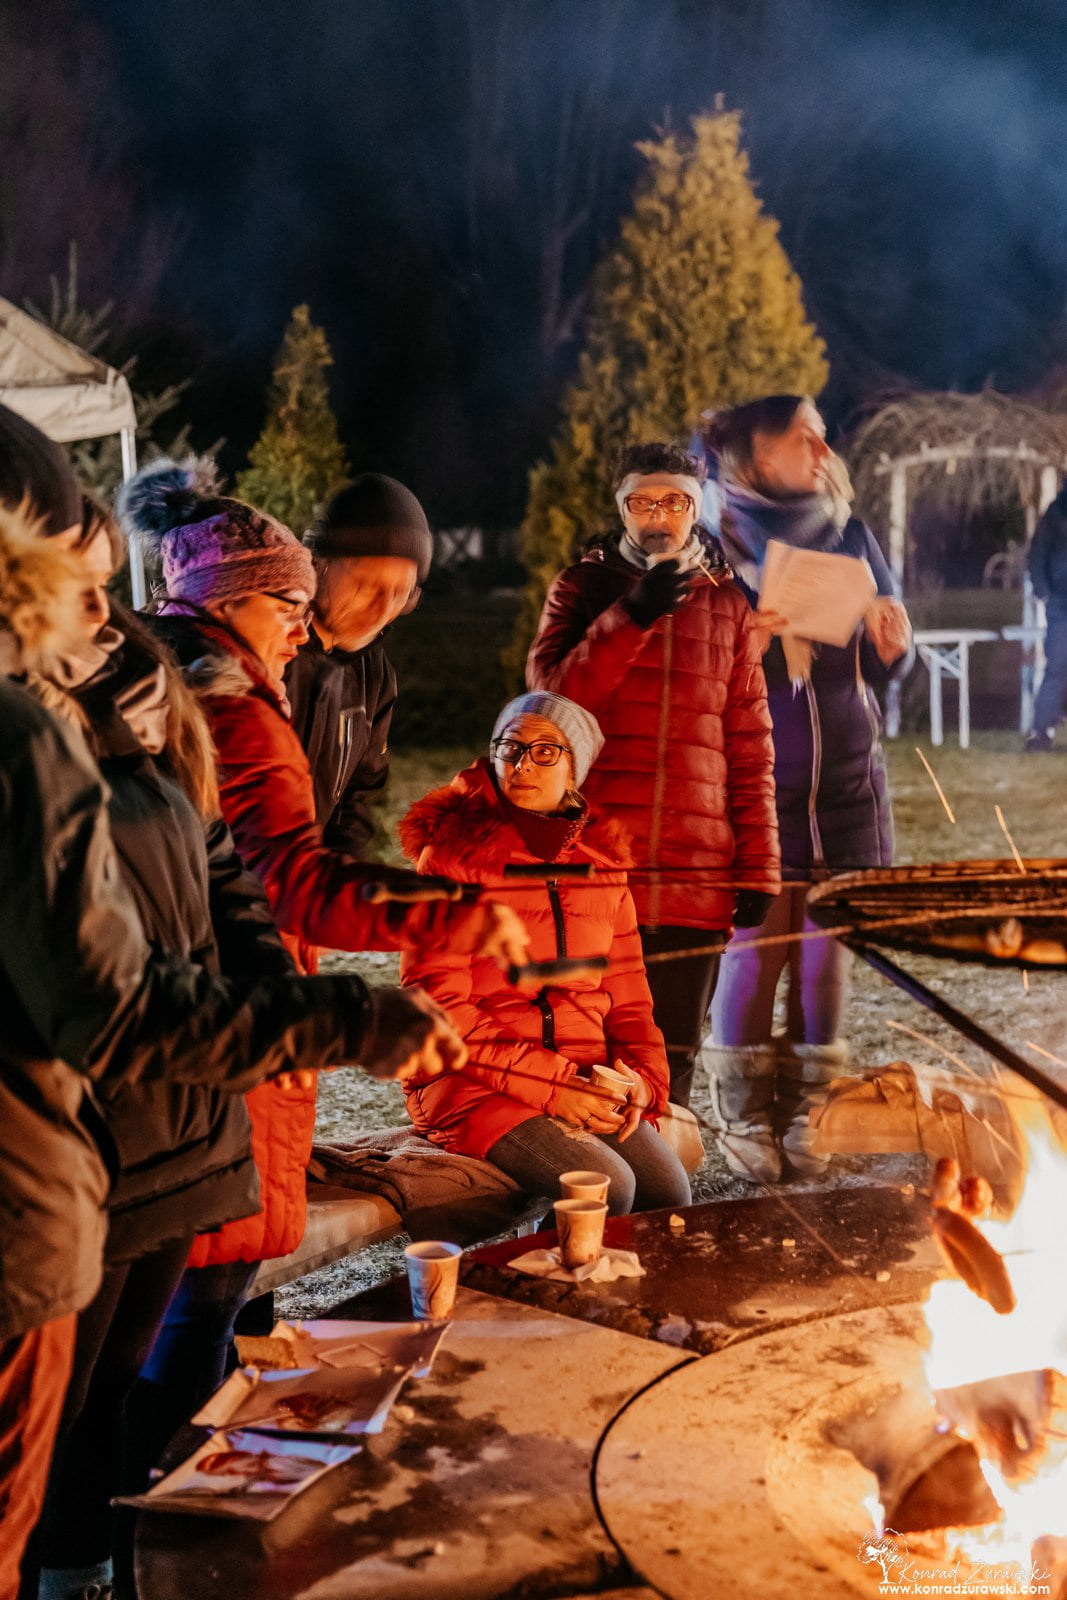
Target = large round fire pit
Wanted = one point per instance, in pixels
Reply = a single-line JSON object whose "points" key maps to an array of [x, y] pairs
{"points": [[760, 1471]]}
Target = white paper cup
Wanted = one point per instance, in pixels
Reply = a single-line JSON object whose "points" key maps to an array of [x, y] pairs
{"points": [[584, 1186], [433, 1273], [612, 1082], [580, 1225]]}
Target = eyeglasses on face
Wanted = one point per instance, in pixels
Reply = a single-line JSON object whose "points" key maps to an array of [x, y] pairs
{"points": [[299, 610], [674, 504], [541, 753]]}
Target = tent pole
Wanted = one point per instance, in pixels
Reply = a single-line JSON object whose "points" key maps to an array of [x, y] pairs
{"points": [[129, 467], [898, 533]]}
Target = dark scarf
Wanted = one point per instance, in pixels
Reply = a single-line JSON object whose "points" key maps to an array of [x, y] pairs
{"points": [[808, 522], [546, 837]]}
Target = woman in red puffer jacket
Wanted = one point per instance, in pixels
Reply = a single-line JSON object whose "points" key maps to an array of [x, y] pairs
{"points": [[522, 1101]]}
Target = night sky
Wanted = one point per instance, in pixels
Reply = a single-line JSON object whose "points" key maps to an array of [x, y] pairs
{"points": [[403, 165]]}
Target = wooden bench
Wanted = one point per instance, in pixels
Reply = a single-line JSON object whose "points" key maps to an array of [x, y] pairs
{"points": [[340, 1223], [343, 1221]]}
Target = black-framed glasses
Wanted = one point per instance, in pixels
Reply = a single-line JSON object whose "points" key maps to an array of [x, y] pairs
{"points": [[674, 504], [301, 610], [541, 753]]}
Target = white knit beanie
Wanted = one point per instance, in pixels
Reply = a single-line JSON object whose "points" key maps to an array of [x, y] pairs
{"points": [[578, 726]]}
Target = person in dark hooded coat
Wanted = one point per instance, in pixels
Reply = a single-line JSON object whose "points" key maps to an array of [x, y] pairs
{"points": [[779, 480]]}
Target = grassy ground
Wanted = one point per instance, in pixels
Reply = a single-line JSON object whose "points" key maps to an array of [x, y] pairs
{"points": [[1030, 791]]}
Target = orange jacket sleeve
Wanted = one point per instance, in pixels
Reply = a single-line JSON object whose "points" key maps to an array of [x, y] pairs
{"points": [[315, 893]]}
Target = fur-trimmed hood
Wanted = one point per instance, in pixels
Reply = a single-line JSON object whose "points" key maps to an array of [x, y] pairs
{"points": [[461, 829], [214, 659], [40, 597]]}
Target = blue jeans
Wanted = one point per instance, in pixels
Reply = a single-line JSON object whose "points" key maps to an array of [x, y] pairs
{"points": [[188, 1359], [742, 1009], [1048, 707], [644, 1173]]}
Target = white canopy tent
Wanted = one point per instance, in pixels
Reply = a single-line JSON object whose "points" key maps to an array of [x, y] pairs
{"points": [[68, 394]]}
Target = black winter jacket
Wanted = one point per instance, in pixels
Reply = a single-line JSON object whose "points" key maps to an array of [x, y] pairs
{"points": [[184, 1150], [342, 706], [1047, 560], [79, 995]]}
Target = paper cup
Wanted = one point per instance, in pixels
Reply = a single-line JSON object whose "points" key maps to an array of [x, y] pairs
{"points": [[433, 1273], [612, 1082], [580, 1225], [584, 1186]]}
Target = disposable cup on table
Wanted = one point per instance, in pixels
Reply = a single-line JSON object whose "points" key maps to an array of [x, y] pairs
{"points": [[584, 1186], [433, 1273], [580, 1225]]}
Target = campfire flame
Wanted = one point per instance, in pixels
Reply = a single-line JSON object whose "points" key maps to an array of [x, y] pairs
{"points": [[971, 1344]]}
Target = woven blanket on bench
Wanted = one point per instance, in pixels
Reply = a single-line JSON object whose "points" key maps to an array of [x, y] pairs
{"points": [[439, 1195]]}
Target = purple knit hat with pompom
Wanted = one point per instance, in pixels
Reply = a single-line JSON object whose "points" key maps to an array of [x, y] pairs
{"points": [[212, 548]]}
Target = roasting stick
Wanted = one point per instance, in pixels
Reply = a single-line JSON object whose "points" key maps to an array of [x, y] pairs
{"points": [[940, 792], [962, 1023]]}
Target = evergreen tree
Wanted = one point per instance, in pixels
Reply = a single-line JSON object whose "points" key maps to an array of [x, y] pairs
{"points": [[696, 307], [98, 462], [298, 460]]}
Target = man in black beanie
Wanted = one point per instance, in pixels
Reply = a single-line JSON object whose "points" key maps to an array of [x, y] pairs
{"points": [[372, 549]]}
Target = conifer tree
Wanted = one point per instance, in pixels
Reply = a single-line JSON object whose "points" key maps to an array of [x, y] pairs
{"points": [[697, 306], [298, 460]]}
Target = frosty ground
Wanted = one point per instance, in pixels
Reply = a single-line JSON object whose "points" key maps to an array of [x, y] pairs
{"points": [[1030, 793]]}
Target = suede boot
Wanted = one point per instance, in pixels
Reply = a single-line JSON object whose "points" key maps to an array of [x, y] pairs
{"points": [[805, 1072], [741, 1078]]}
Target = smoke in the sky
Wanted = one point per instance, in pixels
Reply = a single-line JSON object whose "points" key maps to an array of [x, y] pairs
{"points": [[437, 177]]}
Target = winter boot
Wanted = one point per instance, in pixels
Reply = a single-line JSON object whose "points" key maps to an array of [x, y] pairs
{"points": [[804, 1075], [741, 1079]]}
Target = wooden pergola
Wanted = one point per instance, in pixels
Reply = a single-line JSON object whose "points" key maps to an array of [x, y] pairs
{"points": [[965, 452]]}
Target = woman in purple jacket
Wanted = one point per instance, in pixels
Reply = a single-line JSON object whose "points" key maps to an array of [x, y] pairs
{"points": [[780, 480]]}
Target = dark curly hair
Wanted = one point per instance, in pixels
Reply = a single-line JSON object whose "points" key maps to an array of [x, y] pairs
{"points": [[658, 456]]}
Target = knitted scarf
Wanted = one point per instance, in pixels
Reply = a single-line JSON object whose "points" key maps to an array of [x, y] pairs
{"points": [[691, 555], [751, 520], [545, 836]]}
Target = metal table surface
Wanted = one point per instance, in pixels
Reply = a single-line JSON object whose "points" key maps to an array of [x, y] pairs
{"points": [[485, 1488], [730, 1273]]}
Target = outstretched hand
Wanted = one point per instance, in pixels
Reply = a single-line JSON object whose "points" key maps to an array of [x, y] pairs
{"points": [[503, 937], [408, 1034]]}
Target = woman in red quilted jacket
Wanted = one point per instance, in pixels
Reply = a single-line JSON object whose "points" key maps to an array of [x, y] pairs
{"points": [[522, 1101], [239, 585], [650, 633]]}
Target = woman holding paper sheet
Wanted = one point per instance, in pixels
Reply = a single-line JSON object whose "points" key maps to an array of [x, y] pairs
{"points": [[781, 482]]}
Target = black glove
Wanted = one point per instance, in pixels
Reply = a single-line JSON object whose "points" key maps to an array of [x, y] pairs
{"points": [[662, 589], [396, 1026], [752, 906]]}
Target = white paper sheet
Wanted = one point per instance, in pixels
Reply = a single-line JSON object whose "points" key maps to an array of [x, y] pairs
{"points": [[824, 596]]}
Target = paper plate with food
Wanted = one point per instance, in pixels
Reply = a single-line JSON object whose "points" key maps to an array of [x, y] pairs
{"points": [[335, 1342], [319, 1402], [243, 1474]]}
